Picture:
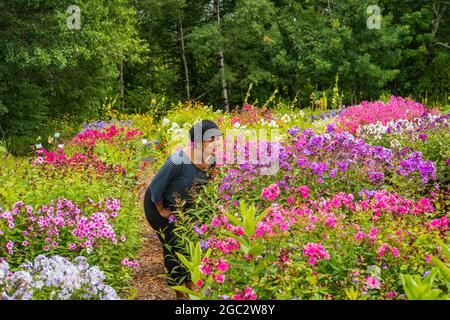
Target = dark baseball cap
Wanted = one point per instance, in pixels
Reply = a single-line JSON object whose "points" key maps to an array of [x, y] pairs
{"points": [[204, 130]]}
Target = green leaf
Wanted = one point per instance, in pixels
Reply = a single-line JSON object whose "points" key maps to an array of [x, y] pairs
{"points": [[445, 271], [445, 249], [185, 261], [261, 216], [235, 220], [193, 295]]}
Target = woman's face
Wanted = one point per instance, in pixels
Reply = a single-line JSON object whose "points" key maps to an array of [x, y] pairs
{"points": [[210, 147]]}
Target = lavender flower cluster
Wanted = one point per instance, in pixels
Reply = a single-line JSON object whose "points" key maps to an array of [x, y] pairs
{"points": [[324, 115], [99, 125], [54, 278], [341, 150]]}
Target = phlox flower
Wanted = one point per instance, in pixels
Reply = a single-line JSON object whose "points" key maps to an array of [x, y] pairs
{"points": [[113, 204], [226, 245], [239, 231], [442, 223], [10, 246], [205, 269], [290, 200], [216, 222], [199, 283], [130, 264], [260, 231], [382, 250], [57, 278], [222, 265], [204, 244], [435, 223], [205, 260], [373, 233], [372, 282], [304, 191], [331, 221], [219, 278], [247, 294], [367, 113], [395, 252], [360, 235], [315, 252], [198, 230], [319, 168], [271, 192], [172, 218]]}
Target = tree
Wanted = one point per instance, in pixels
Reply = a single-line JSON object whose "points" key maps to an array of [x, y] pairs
{"points": [[425, 58], [49, 69]]}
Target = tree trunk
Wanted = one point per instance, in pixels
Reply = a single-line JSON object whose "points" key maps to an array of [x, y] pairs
{"points": [[222, 66], [122, 86], [439, 9], [224, 82], [183, 55], [150, 61]]}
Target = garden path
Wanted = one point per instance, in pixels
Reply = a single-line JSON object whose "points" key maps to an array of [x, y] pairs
{"points": [[149, 280]]}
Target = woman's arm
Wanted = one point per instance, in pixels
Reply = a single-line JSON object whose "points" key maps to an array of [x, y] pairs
{"points": [[158, 185]]}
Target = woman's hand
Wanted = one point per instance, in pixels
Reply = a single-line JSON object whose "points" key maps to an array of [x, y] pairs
{"points": [[163, 212]]}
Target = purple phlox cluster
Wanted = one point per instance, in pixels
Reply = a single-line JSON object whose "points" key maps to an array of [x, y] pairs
{"points": [[99, 125]]}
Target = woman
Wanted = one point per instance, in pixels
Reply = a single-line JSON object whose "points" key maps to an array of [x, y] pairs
{"points": [[172, 186]]}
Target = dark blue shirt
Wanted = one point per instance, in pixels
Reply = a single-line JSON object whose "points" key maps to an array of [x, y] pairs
{"points": [[175, 179]]}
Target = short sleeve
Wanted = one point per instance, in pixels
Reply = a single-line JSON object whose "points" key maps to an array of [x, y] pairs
{"points": [[162, 178]]}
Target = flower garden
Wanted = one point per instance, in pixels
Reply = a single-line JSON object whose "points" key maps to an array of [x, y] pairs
{"points": [[358, 209]]}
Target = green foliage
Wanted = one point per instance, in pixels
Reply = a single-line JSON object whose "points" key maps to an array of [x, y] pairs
{"points": [[3, 150], [49, 70], [297, 48], [353, 294], [417, 288], [196, 256], [248, 221]]}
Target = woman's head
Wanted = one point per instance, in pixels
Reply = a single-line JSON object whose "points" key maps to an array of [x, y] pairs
{"points": [[204, 136]]}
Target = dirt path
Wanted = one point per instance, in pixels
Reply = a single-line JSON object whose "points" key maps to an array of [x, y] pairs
{"points": [[149, 280]]}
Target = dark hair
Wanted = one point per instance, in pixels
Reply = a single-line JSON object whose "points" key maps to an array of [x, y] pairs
{"points": [[206, 128]]}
